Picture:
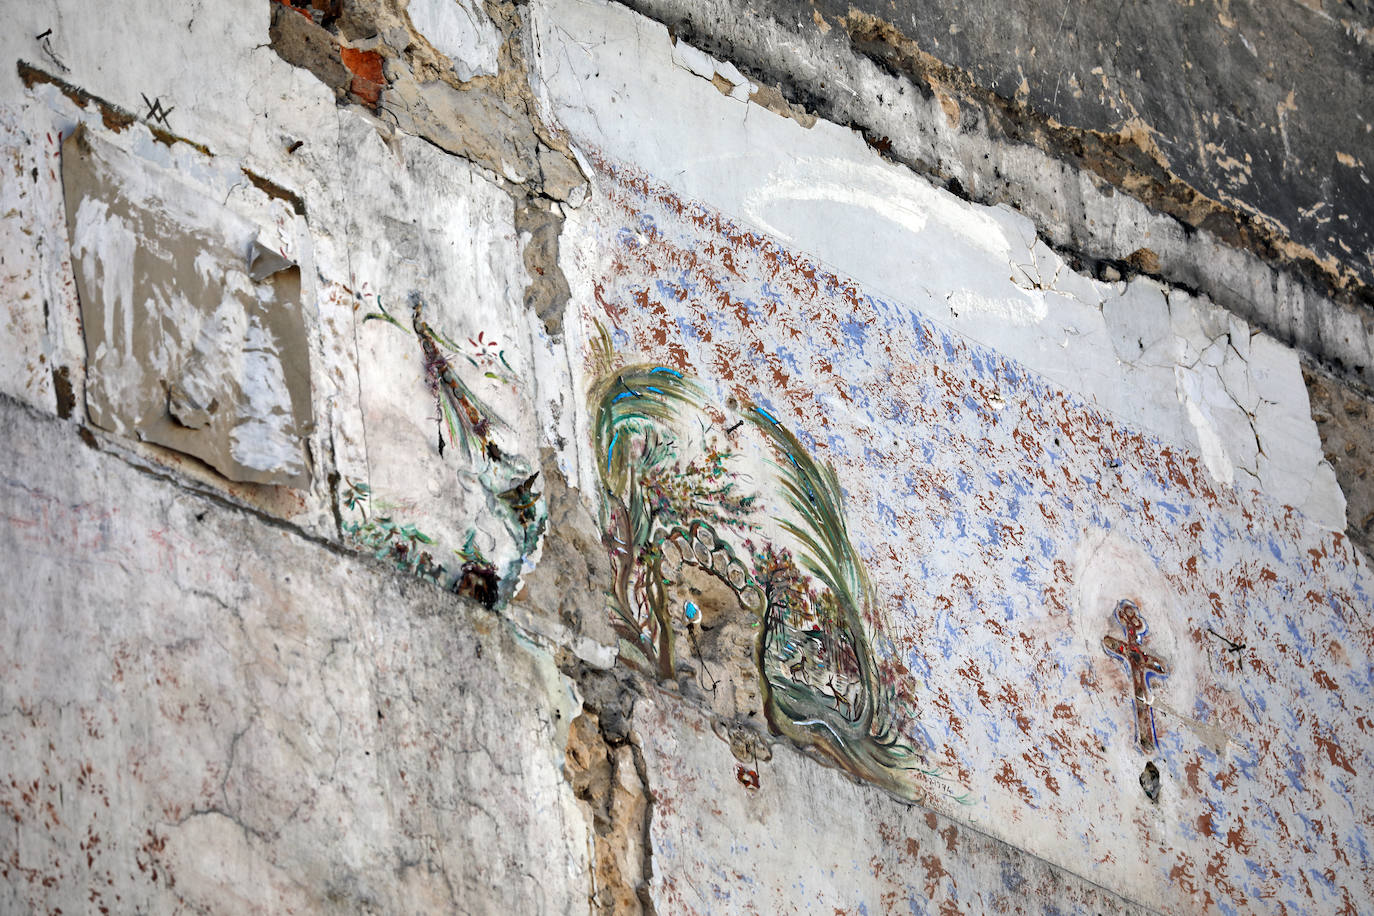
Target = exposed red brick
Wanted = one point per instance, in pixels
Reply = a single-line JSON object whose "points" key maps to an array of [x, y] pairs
{"points": [[366, 67]]}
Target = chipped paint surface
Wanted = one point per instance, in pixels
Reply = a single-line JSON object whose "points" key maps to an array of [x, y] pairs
{"points": [[461, 31], [1001, 520], [191, 342]]}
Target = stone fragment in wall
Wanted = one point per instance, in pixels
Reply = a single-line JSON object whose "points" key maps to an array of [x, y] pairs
{"points": [[605, 777], [548, 290], [570, 551], [1345, 421], [194, 332], [368, 74], [474, 124], [560, 176], [299, 41], [435, 69]]}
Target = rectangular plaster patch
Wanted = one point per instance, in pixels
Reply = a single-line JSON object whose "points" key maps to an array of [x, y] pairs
{"points": [[194, 334]]}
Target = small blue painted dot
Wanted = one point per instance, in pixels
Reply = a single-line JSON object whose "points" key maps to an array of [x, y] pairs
{"points": [[692, 611]]}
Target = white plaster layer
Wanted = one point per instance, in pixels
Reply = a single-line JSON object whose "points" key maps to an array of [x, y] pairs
{"points": [[460, 30], [1074, 207], [808, 840]]}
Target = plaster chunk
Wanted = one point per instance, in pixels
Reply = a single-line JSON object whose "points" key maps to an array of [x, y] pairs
{"points": [[711, 70], [1138, 323], [460, 30], [477, 125], [1292, 449], [1203, 409], [186, 348], [1248, 407]]}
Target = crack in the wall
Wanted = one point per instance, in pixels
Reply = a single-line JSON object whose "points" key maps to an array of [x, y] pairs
{"points": [[646, 865], [607, 771]]}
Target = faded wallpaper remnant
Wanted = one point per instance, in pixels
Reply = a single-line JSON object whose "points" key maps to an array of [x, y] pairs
{"points": [[1025, 567], [194, 333]]}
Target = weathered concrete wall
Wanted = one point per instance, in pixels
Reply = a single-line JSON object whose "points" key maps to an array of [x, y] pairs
{"points": [[206, 712], [694, 505], [209, 713]]}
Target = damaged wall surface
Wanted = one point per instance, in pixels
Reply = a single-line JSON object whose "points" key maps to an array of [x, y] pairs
{"points": [[1249, 122], [574, 457]]}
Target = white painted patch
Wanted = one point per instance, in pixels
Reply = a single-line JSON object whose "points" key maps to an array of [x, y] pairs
{"points": [[1021, 312], [109, 244], [265, 439], [1209, 441]]}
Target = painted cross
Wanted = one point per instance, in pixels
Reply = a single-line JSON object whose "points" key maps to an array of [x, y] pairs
{"points": [[1142, 665]]}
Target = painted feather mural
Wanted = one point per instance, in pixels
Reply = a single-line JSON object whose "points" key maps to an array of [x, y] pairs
{"points": [[687, 486]]}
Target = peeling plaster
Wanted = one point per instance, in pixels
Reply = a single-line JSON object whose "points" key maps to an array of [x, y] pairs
{"points": [[435, 740], [853, 68]]}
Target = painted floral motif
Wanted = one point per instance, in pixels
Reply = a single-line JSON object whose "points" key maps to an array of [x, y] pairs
{"points": [[469, 425], [994, 512], [674, 496]]}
